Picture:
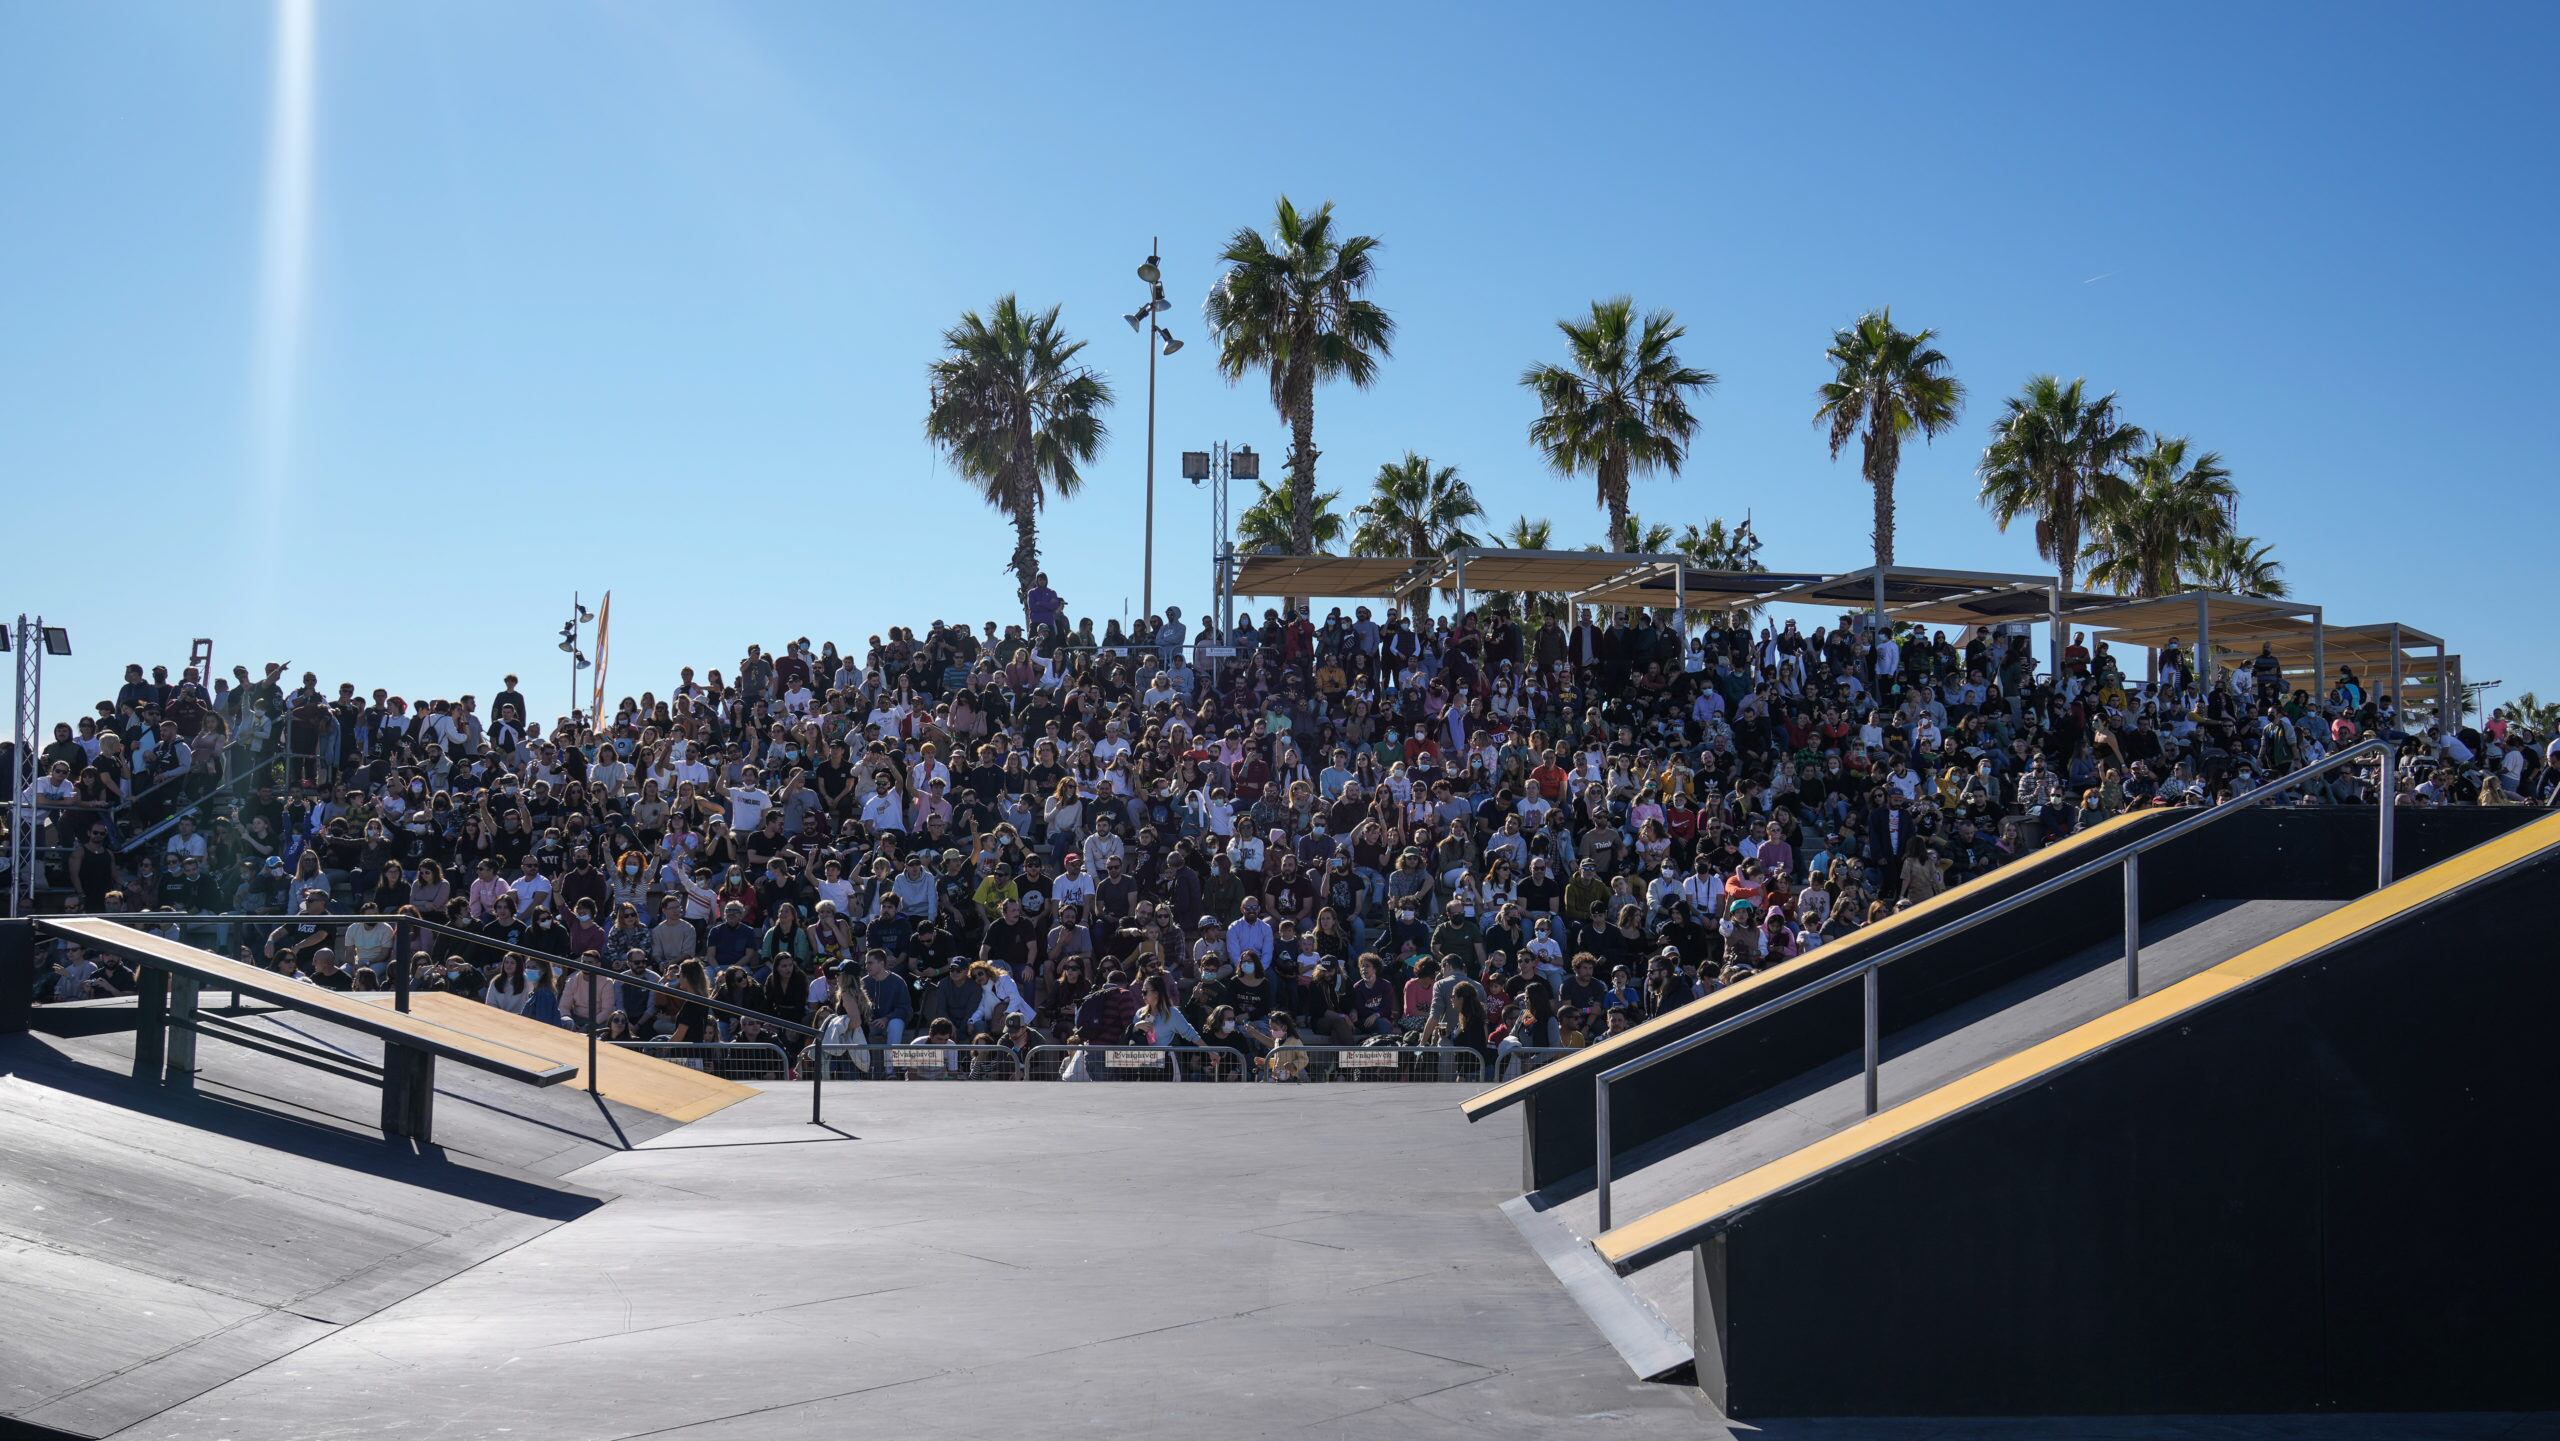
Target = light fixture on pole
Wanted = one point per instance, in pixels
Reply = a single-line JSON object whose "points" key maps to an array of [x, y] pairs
{"points": [[579, 615], [31, 641], [1216, 467], [1159, 341]]}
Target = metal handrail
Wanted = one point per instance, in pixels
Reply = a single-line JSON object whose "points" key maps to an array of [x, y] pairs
{"points": [[228, 785], [400, 968], [2128, 861]]}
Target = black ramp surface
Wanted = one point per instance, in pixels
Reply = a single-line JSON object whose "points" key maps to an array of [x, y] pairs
{"points": [[1917, 1059], [153, 1244]]}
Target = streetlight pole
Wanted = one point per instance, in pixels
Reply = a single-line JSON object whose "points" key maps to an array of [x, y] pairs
{"points": [[1144, 318]]}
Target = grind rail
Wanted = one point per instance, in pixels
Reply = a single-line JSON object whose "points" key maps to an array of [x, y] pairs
{"points": [[157, 921], [173, 976], [1866, 972]]}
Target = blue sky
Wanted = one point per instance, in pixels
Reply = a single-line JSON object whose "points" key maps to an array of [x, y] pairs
{"points": [[639, 296]]}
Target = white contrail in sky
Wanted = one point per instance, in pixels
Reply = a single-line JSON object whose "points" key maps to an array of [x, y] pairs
{"points": [[284, 258]]}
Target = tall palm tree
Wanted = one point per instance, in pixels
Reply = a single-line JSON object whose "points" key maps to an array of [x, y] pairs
{"points": [[1416, 510], [2540, 716], [1292, 305], [2056, 455], [1619, 407], [1527, 534], [1885, 383], [1641, 537], [2159, 527], [1722, 547], [1270, 524], [1016, 415], [2237, 564]]}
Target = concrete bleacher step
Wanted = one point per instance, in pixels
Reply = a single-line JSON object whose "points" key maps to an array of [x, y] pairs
{"points": [[1646, 1316]]}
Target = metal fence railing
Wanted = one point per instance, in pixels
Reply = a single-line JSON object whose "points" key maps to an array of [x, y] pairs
{"points": [[1514, 1061], [920, 1061], [1136, 1063], [1372, 1064], [729, 1060]]}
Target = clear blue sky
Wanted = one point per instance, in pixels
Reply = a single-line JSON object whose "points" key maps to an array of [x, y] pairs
{"points": [[639, 295]]}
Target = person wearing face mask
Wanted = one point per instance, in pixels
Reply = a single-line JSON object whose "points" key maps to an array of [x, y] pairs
{"points": [[1249, 990], [629, 884]]}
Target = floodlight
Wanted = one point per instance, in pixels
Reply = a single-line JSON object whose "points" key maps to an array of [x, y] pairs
{"points": [[1148, 271], [57, 641], [1170, 344], [1195, 465], [1244, 464]]}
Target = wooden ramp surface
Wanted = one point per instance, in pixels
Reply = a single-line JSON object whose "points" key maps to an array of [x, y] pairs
{"points": [[662, 1088], [491, 1051]]}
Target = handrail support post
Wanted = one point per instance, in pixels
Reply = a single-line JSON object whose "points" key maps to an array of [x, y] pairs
{"points": [[2133, 926], [1600, 1166], [1873, 987]]}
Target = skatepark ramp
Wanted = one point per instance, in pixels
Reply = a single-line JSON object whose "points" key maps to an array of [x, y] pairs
{"points": [[2312, 1176], [173, 975]]}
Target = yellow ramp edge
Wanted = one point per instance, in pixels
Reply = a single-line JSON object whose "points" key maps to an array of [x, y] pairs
{"points": [[216, 970], [1747, 992], [1664, 1227], [647, 1083]]}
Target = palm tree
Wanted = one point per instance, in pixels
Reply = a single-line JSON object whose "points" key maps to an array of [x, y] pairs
{"points": [[1885, 384], [1016, 415], [1527, 534], [1620, 407], [2057, 455], [1723, 547], [1634, 536], [2158, 528], [1416, 510], [2237, 564], [1292, 306], [2539, 716], [1270, 525]]}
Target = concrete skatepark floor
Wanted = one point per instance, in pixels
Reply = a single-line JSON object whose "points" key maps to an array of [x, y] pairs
{"points": [[999, 1261]]}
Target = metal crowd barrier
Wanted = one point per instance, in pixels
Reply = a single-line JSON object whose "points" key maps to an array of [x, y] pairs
{"points": [[1514, 1061], [924, 1061], [1137, 1063], [729, 1060], [1373, 1064]]}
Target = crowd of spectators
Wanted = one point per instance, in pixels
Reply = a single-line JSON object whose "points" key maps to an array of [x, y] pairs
{"points": [[1490, 831]]}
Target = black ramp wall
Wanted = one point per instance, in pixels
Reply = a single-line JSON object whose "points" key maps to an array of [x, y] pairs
{"points": [[2267, 853], [2330, 1189]]}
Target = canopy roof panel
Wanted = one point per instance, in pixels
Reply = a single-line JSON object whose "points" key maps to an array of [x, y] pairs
{"points": [[2232, 618], [1694, 587], [1927, 595], [1300, 576], [1531, 571]]}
